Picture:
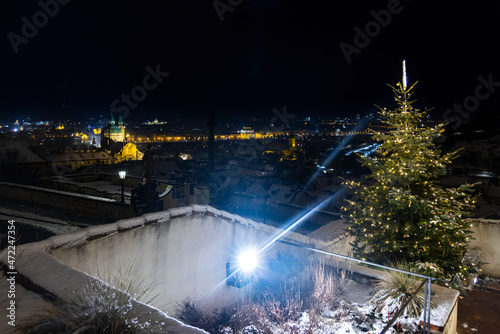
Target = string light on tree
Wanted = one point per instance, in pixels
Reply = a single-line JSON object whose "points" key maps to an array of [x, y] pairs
{"points": [[423, 221]]}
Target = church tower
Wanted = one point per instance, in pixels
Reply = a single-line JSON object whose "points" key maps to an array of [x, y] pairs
{"points": [[112, 133], [120, 124]]}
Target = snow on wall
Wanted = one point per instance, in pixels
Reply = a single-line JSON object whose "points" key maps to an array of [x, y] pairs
{"points": [[182, 253], [55, 278], [48, 275], [445, 311]]}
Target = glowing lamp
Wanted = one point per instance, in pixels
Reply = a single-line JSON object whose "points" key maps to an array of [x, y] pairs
{"points": [[247, 261], [242, 272], [122, 175]]}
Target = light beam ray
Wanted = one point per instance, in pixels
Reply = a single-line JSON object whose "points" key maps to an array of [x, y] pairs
{"points": [[297, 222], [336, 151], [307, 214], [278, 236]]}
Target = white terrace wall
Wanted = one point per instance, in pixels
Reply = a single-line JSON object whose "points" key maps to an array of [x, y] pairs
{"points": [[178, 254], [97, 206], [41, 276], [181, 254], [487, 240]]}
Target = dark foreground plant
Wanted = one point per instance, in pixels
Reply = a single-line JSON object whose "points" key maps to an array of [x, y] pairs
{"points": [[96, 308], [212, 323], [326, 284], [296, 305]]}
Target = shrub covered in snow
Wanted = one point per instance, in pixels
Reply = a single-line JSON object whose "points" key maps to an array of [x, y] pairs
{"points": [[96, 308], [302, 302]]}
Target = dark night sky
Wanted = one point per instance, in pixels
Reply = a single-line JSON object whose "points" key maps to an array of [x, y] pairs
{"points": [[264, 54]]}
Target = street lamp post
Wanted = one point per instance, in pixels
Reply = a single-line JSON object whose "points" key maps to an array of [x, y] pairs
{"points": [[122, 175]]}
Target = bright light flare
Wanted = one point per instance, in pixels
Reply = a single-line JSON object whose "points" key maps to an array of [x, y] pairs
{"points": [[248, 260]]}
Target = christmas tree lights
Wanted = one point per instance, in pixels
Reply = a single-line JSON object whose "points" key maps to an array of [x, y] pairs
{"points": [[402, 211]]}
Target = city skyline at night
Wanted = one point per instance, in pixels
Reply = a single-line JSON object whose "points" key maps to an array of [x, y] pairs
{"points": [[146, 145], [165, 60]]}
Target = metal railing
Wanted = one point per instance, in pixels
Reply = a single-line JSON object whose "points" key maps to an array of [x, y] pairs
{"points": [[426, 284]]}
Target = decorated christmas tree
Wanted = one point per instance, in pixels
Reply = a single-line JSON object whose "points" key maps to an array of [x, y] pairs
{"points": [[402, 212]]}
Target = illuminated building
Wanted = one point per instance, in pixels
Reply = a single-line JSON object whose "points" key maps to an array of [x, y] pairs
{"points": [[112, 133]]}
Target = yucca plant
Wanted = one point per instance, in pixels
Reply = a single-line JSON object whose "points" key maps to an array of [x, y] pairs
{"points": [[396, 288]]}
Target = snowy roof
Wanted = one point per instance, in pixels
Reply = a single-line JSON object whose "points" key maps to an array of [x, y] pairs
{"points": [[281, 193], [162, 169], [256, 189], [73, 156], [16, 152], [334, 229], [327, 183]]}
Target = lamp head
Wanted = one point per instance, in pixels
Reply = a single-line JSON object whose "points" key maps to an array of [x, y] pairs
{"points": [[248, 260]]}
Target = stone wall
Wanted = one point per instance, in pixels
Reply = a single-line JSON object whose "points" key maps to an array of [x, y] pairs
{"points": [[187, 248], [40, 277], [452, 322], [487, 236], [86, 204]]}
